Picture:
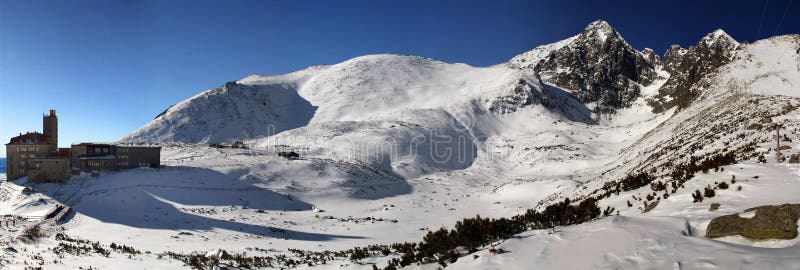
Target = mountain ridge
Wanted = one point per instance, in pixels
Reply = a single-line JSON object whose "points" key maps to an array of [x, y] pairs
{"points": [[599, 72]]}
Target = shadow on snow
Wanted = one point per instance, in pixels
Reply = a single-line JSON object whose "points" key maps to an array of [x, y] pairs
{"points": [[168, 199]]}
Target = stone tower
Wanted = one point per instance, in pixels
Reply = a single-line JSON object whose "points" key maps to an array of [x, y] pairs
{"points": [[50, 127]]}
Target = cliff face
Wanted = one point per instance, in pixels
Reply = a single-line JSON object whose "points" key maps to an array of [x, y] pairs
{"points": [[688, 66], [597, 66]]}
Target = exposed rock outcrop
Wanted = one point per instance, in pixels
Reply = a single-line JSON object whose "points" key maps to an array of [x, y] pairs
{"points": [[769, 222], [688, 66], [596, 66]]}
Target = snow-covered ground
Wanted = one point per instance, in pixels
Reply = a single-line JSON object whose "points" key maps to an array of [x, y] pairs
{"points": [[394, 146], [671, 236]]}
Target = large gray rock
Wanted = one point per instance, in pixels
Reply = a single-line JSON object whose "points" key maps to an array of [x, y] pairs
{"points": [[769, 222]]}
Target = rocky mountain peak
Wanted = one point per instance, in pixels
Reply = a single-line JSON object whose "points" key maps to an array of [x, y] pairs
{"points": [[717, 43], [599, 30], [596, 66], [718, 36], [688, 66]]}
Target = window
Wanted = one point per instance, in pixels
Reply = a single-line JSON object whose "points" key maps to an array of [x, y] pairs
{"points": [[23, 156], [105, 150], [95, 163], [32, 156]]}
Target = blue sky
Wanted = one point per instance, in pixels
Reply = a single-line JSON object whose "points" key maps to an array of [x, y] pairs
{"points": [[109, 67]]}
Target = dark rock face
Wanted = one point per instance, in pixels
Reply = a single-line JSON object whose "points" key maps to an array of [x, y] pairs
{"points": [[524, 94], [521, 95], [687, 67], [597, 65], [651, 56], [769, 222], [673, 57]]}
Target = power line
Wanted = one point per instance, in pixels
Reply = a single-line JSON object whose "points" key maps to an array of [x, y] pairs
{"points": [[785, 11], [761, 23]]}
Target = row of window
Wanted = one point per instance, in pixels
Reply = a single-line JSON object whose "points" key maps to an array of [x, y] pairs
{"points": [[27, 156], [96, 163], [99, 150], [140, 164], [27, 149]]}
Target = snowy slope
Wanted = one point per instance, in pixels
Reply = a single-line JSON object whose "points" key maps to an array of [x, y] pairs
{"points": [[232, 112], [760, 81], [767, 67], [392, 146]]}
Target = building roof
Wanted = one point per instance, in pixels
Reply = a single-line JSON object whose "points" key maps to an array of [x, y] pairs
{"points": [[93, 143], [30, 138], [106, 157], [137, 146], [116, 144], [47, 157]]}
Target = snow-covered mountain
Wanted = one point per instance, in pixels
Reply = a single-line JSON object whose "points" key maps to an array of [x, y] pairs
{"points": [[596, 71], [406, 144]]}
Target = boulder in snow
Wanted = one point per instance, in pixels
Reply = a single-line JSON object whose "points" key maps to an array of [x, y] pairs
{"points": [[769, 222]]}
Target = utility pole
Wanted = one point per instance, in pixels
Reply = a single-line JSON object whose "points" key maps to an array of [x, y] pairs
{"points": [[778, 141]]}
